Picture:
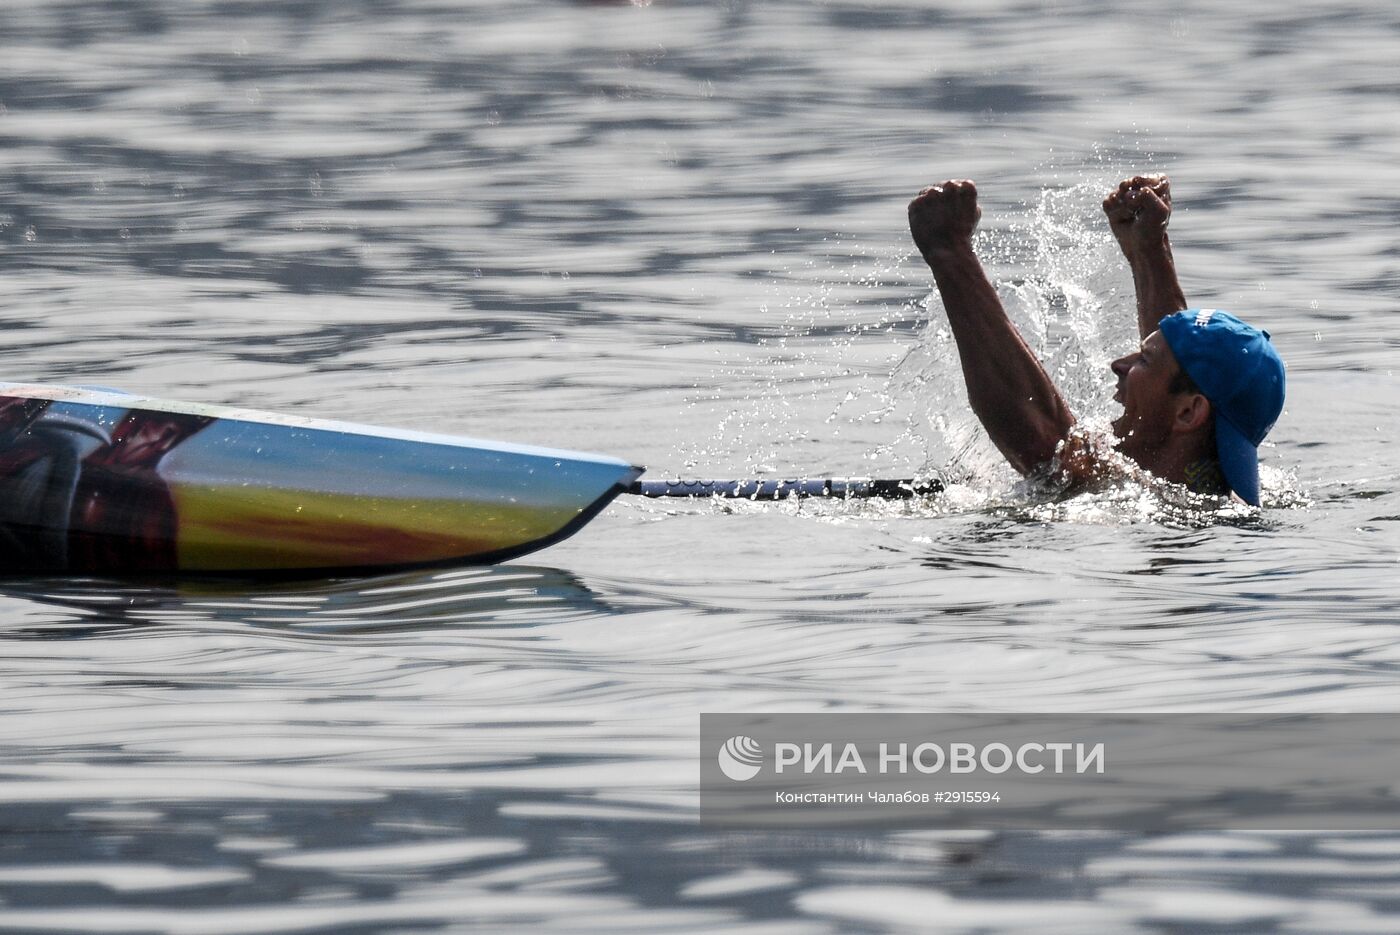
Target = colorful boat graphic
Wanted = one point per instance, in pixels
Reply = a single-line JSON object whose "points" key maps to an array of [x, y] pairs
{"points": [[101, 482]]}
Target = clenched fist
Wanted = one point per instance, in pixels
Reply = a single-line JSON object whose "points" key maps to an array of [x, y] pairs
{"points": [[1139, 211], [943, 217]]}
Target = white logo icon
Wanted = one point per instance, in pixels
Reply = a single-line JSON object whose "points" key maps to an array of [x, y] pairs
{"points": [[740, 758]]}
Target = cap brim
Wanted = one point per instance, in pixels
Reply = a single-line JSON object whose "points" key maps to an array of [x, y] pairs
{"points": [[1239, 460]]}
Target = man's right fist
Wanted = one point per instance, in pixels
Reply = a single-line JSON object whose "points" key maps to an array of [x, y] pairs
{"points": [[943, 217], [1138, 211]]}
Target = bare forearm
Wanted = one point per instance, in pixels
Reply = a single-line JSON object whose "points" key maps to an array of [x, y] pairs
{"points": [[1138, 211], [1006, 385], [1158, 289]]}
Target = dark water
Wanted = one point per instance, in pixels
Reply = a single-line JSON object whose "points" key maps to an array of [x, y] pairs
{"points": [[675, 233]]}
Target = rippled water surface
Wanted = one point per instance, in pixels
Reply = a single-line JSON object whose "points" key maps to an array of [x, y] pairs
{"points": [[675, 233]]}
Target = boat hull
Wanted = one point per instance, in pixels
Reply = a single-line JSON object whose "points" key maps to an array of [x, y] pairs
{"points": [[101, 482]]}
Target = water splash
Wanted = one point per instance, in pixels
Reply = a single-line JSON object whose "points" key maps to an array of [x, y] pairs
{"points": [[1053, 269]]}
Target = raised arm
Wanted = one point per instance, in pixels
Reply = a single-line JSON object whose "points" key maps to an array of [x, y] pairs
{"points": [[1009, 390], [1138, 212]]}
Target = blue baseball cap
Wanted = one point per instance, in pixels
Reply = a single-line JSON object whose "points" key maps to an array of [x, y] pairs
{"points": [[1239, 371]]}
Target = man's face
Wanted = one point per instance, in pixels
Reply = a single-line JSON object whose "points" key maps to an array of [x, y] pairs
{"points": [[1144, 388]]}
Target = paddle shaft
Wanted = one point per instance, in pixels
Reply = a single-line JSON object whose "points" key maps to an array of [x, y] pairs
{"points": [[758, 489]]}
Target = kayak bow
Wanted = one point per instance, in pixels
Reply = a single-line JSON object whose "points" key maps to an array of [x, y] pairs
{"points": [[96, 481]]}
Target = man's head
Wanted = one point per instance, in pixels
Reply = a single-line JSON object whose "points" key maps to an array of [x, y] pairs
{"points": [[1207, 381]]}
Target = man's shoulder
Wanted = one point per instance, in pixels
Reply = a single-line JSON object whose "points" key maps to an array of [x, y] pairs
{"points": [[1087, 461], [1205, 477]]}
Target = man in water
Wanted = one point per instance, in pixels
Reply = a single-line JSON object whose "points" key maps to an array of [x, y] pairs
{"points": [[1198, 395]]}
